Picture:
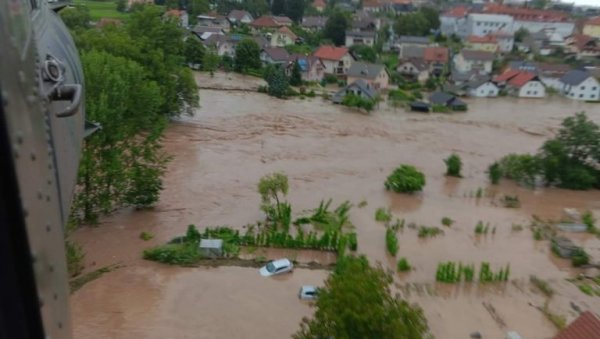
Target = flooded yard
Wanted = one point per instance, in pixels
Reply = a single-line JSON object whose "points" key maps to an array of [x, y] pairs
{"points": [[328, 151]]}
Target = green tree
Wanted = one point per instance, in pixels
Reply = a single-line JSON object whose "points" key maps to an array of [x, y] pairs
{"points": [[247, 55], [364, 53], [272, 189], [521, 34], [121, 5], [356, 302], [432, 16], [296, 76], [335, 28], [195, 8], [294, 9], [412, 24], [405, 179], [256, 7], [277, 81], [278, 7], [210, 62], [76, 17], [581, 139], [495, 173], [453, 165], [193, 51]]}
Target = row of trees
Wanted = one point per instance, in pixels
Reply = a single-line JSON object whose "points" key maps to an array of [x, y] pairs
{"points": [[293, 9], [421, 23], [135, 80]]}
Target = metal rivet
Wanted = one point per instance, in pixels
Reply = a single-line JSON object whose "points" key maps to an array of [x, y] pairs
{"points": [[51, 268], [40, 195], [47, 198], [48, 228], [55, 296], [32, 156], [59, 325]]}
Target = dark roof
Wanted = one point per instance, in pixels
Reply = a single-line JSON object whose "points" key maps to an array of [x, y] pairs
{"points": [[363, 23], [477, 55], [419, 64], [238, 15], [360, 84], [478, 81], [586, 326], [412, 52], [314, 21], [409, 39], [457, 76], [575, 77], [440, 98], [361, 34], [365, 70], [277, 53]]}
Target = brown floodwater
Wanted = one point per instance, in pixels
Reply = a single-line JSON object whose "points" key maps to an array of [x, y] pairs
{"points": [[328, 151]]}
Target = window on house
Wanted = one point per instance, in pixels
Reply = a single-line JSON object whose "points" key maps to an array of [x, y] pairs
{"points": [[594, 88], [593, 96], [528, 92], [581, 95], [582, 88], [534, 92]]}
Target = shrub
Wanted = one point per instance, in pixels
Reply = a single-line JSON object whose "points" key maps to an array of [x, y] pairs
{"points": [[523, 168], [391, 242], [75, 255], [146, 236], [405, 179], [425, 231], [587, 289], [580, 258], [447, 221], [480, 228], [353, 100], [542, 286], [403, 265], [352, 241], [440, 108], [495, 173], [383, 215], [174, 254], [453, 165], [510, 201], [588, 219]]}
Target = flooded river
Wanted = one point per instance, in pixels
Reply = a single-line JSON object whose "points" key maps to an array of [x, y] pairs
{"points": [[327, 151]]}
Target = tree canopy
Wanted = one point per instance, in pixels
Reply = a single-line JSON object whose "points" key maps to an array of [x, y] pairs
{"points": [[356, 302], [335, 28], [419, 23], [247, 55]]}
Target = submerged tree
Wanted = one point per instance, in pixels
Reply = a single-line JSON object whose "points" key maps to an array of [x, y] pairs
{"points": [[247, 55], [272, 189], [335, 28], [296, 76], [356, 302]]}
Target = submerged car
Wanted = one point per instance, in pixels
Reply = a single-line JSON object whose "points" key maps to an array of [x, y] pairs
{"points": [[276, 267], [308, 292]]}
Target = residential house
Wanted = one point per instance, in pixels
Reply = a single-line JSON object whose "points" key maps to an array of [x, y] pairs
{"points": [[437, 59], [314, 23], [461, 78], [274, 55], [549, 73], [534, 20], [486, 43], [580, 85], [402, 6], [447, 100], [181, 15], [409, 52], [482, 87], [225, 45], [311, 68], [453, 21], [583, 46], [586, 326], [212, 21], [483, 24], [319, 5], [592, 27], [414, 68], [373, 6], [365, 23], [407, 41], [522, 84], [373, 74], [337, 60], [468, 60], [360, 38], [271, 22], [506, 41], [238, 17], [283, 37], [358, 87]]}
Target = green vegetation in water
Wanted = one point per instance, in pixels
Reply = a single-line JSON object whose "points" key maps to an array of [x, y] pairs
{"points": [[383, 215], [589, 221], [391, 242], [560, 321], [324, 219], [403, 265], [542, 285], [362, 204], [450, 272], [453, 165], [487, 275], [587, 289], [78, 282], [447, 222], [516, 227], [494, 173], [427, 232], [75, 256], [580, 258], [146, 236], [405, 179], [510, 201], [481, 228], [398, 225], [479, 193]]}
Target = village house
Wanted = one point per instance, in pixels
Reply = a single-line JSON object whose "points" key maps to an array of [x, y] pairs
{"points": [[549, 73], [270, 22], [447, 100], [414, 68], [506, 41], [583, 46], [437, 59], [580, 85], [283, 37], [453, 21], [213, 21], [311, 68], [482, 87], [225, 45], [358, 87], [319, 5], [468, 60], [181, 15], [373, 74], [487, 43], [365, 22], [337, 60], [586, 326], [314, 23], [522, 84], [483, 24], [360, 38], [274, 55], [373, 6], [406, 41], [592, 27], [238, 17], [534, 20]]}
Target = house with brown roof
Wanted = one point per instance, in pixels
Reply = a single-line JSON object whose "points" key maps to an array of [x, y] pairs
{"points": [[271, 22], [314, 23], [337, 60], [522, 84], [274, 55], [468, 60], [319, 5], [283, 37], [487, 43], [586, 326], [373, 74], [437, 59], [414, 68], [311, 68], [592, 27], [237, 17], [583, 46], [181, 16]]}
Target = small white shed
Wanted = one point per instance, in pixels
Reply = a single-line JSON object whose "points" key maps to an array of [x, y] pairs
{"points": [[211, 248]]}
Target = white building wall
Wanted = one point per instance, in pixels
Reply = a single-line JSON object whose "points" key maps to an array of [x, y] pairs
{"points": [[563, 28], [487, 89], [484, 24], [532, 89], [587, 90], [506, 44]]}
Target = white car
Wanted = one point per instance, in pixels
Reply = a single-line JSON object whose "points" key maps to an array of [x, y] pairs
{"points": [[276, 267], [308, 292]]}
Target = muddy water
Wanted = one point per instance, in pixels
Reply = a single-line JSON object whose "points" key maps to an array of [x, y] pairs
{"points": [[329, 152]]}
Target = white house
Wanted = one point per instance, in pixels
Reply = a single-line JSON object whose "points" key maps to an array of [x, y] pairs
{"points": [[337, 60], [506, 41], [484, 24], [454, 21], [522, 84], [360, 38], [283, 37], [468, 60], [237, 17], [482, 87], [580, 85], [415, 68]]}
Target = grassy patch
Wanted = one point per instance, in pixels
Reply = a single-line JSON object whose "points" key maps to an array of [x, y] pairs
{"points": [[482, 228], [558, 320], [362, 204], [542, 285], [426, 231], [102, 9], [383, 215], [447, 221], [403, 265], [391, 242], [78, 282], [146, 236]]}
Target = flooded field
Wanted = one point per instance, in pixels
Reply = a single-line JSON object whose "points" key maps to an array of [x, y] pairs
{"points": [[327, 151]]}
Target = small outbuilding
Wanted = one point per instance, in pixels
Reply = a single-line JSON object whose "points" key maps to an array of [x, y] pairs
{"points": [[211, 248]]}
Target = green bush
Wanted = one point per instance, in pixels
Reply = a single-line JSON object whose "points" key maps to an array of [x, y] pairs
{"points": [[405, 179], [481, 228], [440, 109], [353, 100], [425, 232], [588, 219], [75, 256], [403, 265], [383, 215], [352, 241], [523, 168], [174, 254], [447, 221], [495, 173], [146, 236], [391, 242], [453, 165], [580, 258]]}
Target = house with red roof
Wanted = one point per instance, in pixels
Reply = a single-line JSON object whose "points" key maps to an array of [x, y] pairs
{"points": [[337, 60], [583, 46], [437, 59], [592, 27], [586, 326], [487, 43], [271, 22], [522, 84]]}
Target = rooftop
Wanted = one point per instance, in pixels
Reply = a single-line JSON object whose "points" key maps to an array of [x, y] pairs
{"points": [[477, 55], [436, 54], [488, 39], [457, 12], [575, 77], [527, 14], [329, 52], [586, 326], [277, 53], [365, 70]]}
